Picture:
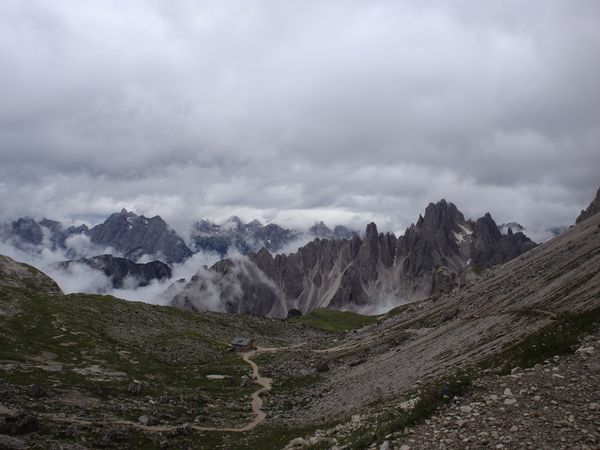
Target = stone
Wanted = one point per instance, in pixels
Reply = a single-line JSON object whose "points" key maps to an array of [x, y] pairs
{"points": [[385, 445], [11, 443], [148, 421], [586, 350], [507, 393], [296, 443], [19, 423], [510, 401], [116, 435], [466, 409], [135, 387]]}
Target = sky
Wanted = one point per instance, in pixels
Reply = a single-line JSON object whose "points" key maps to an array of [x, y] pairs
{"points": [[297, 111]]}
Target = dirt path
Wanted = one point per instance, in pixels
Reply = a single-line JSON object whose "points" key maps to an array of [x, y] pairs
{"points": [[257, 402]]}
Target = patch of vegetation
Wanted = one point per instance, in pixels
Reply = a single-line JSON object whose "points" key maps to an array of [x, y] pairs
{"points": [[478, 270], [263, 437], [399, 310], [335, 321], [97, 344], [299, 382], [430, 399], [560, 337]]}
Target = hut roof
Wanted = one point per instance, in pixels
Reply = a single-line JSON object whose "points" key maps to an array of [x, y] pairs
{"points": [[240, 341]]}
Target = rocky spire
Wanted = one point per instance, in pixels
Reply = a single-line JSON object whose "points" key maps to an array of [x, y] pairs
{"points": [[592, 209]]}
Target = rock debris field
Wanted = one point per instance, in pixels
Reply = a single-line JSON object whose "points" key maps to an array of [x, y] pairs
{"points": [[555, 405]]}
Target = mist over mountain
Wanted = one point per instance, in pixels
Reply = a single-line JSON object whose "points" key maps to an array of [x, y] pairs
{"points": [[373, 273], [122, 272], [235, 235], [141, 258], [268, 269]]}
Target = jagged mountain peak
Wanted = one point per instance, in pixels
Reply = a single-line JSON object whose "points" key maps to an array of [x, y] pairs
{"points": [[428, 260], [135, 236], [235, 222], [27, 230], [442, 214], [593, 208], [342, 232], [485, 228], [320, 230], [254, 225], [371, 233]]}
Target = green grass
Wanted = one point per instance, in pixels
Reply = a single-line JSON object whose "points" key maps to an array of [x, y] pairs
{"points": [[399, 310], [335, 321], [478, 270], [89, 330]]}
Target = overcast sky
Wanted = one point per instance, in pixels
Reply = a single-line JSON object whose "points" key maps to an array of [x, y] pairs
{"points": [[295, 111]]}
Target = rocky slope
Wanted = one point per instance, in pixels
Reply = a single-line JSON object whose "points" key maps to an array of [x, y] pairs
{"points": [[15, 275], [555, 404], [122, 272], [361, 274]]}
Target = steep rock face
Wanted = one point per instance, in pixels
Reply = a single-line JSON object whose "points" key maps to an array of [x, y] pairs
{"points": [[432, 241], [27, 230], [593, 208], [123, 272], [135, 235], [490, 247], [363, 274], [234, 286]]}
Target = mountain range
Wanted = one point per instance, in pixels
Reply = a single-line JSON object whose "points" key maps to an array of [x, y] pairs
{"points": [[234, 234], [133, 236], [337, 269], [430, 259], [123, 233], [121, 246]]}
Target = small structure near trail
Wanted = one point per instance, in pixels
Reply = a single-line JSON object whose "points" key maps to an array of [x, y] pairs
{"points": [[241, 344]]}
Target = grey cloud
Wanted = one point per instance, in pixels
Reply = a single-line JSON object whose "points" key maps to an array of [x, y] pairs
{"points": [[297, 111]]}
